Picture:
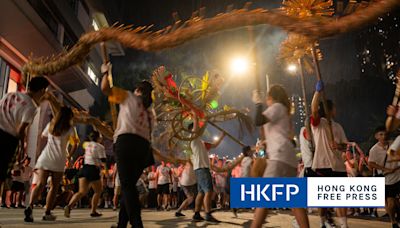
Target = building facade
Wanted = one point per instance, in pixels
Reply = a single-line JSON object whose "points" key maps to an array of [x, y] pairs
{"points": [[41, 28]]}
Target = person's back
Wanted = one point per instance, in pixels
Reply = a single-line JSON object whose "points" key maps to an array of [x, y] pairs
{"points": [[199, 155], [15, 109]]}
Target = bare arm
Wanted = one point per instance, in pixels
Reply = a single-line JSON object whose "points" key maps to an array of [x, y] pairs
{"points": [[315, 104], [374, 165], [54, 103], [21, 134]]}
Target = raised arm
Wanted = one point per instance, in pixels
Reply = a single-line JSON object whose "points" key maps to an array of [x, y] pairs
{"points": [[316, 99], [54, 103], [260, 119]]}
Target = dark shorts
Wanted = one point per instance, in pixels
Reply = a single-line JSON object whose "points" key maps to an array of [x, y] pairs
{"points": [[329, 173], [163, 189], [189, 190], [393, 190], [90, 172], [8, 145], [17, 186], [204, 181], [309, 172]]}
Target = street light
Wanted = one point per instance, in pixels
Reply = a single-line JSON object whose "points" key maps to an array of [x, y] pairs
{"points": [[239, 65], [292, 68], [216, 138]]}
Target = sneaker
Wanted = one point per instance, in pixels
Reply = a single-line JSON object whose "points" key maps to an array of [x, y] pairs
{"points": [[95, 214], [179, 214], [326, 224], [356, 214], [28, 215], [234, 210], [114, 208], [49, 217], [197, 218], [294, 223], [67, 211], [211, 219]]}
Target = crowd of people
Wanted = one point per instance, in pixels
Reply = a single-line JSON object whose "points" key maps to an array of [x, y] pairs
{"points": [[134, 181]]}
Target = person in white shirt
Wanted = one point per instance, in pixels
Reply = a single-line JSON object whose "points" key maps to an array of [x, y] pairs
{"points": [[329, 153], [380, 161], [201, 166], [282, 161], [51, 161], [89, 176], [164, 179], [132, 138], [306, 153], [247, 161], [17, 111], [152, 187], [188, 184]]}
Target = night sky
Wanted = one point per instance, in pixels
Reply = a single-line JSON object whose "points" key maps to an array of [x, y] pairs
{"points": [[357, 68]]}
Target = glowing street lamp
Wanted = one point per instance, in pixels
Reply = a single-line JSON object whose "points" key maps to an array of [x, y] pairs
{"points": [[215, 138], [239, 65], [292, 68]]}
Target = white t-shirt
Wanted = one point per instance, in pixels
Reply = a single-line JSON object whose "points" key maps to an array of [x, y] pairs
{"points": [[220, 180], [133, 118], [277, 134], [188, 176], [175, 181], [15, 109], [164, 174], [54, 154], [324, 156], [199, 154], [246, 166], [306, 153], [377, 154], [94, 152], [152, 183]]}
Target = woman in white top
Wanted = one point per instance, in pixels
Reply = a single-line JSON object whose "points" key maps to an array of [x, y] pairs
{"points": [[89, 175], [188, 183], [51, 161], [282, 157]]}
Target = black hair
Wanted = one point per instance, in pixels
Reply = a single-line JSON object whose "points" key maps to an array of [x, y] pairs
{"points": [[94, 136], [321, 110], [190, 126], [146, 88], [379, 129], [38, 83], [246, 151], [278, 93], [62, 124]]}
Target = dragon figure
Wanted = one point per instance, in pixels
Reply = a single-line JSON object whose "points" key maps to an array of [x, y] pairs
{"points": [[142, 38], [196, 97]]}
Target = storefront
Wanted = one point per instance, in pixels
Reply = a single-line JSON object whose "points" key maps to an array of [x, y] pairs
{"points": [[10, 63]]}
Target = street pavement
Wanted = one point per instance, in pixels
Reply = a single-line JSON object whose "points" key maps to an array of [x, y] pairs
{"points": [[162, 219]]}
